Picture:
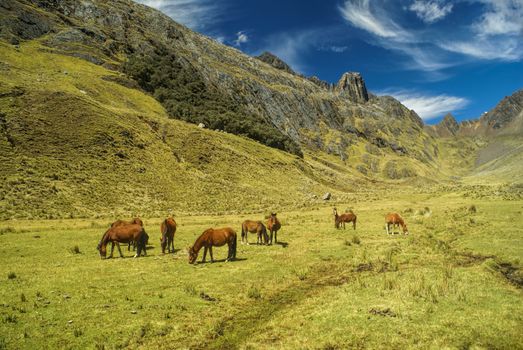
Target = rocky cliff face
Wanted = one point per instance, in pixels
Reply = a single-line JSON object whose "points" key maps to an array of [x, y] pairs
{"points": [[447, 127], [352, 86]]}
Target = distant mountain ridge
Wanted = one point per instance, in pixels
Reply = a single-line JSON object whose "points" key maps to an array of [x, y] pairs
{"points": [[506, 118]]}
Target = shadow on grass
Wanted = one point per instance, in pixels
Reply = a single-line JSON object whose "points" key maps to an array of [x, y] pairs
{"points": [[283, 244], [220, 260]]}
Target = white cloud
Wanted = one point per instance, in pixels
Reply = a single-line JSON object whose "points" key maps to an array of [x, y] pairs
{"points": [[497, 34], [195, 14], [427, 106], [241, 38], [430, 11], [507, 49], [360, 14], [502, 17]]}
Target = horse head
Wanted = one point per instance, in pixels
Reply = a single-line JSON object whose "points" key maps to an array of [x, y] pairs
{"points": [[192, 255], [102, 248]]}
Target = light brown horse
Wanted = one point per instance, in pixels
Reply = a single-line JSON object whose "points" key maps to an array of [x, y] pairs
{"points": [[214, 237], [343, 218], [273, 224], [123, 234], [395, 220], [168, 229], [254, 227]]}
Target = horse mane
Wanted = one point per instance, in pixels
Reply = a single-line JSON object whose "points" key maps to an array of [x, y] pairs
{"points": [[103, 239]]}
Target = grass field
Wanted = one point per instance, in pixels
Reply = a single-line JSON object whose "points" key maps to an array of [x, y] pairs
{"points": [[454, 282]]}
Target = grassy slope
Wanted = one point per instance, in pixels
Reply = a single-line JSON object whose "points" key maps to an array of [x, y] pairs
{"points": [[439, 285], [82, 144]]}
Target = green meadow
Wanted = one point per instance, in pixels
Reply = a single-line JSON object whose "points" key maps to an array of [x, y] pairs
{"points": [[454, 282]]}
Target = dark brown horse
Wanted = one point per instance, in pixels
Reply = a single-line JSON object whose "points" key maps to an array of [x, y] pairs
{"points": [[273, 224], [395, 220], [254, 227], [136, 221], [214, 237], [123, 234], [168, 229], [343, 218]]}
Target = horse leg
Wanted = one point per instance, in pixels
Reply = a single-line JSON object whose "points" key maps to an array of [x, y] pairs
{"points": [[112, 248], [270, 240], [210, 252], [119, 250], [204, 254], [276, 236]]}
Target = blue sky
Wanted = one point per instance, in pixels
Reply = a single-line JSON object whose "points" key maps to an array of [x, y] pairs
{"points": [[435, 56]]}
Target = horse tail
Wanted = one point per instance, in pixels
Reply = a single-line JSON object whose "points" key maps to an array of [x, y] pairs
{"points": [[354, 222]]}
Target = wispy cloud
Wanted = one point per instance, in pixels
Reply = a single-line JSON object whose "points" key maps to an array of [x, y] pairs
{"points": [[430, 11], [360, 15], [495, 35], [195, 14], [428, 106], [241, 38]]}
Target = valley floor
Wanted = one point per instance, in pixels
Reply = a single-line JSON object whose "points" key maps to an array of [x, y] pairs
{"points": [[454, 282]]}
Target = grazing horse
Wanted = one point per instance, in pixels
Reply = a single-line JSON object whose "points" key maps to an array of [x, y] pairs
{"points": [[214, 237], [254, 227], [136, 221], [395, 220], [273, 224], [343, 218], [168, 229], [123, 234]]}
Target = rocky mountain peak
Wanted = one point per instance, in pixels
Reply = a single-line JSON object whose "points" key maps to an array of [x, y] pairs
{"points": [[352, 85], [449, 123], [275, 61]]}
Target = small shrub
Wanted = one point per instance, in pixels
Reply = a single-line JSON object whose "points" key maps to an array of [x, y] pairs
{"points": [[218, 330], [75, 250], [11, 275], [23, 298], [472, 209], [254, 293], [356, 239], [78, 332], [347, 243]]}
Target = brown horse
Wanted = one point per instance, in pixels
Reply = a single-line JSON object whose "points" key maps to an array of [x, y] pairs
{"points": [[123, 234], [395, 220], [273, 224], [343, 218], [214, 237], [168, 229], [136, 221], [254, 227]]}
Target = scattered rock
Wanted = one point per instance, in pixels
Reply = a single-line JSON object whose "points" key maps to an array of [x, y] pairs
{"points": [[327, 196], [383, 312], [206, 297], [201, 125], [134, 312]]}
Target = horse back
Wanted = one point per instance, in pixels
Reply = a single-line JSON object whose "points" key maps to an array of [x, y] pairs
{"points": [[393, 218], [126, 233]]}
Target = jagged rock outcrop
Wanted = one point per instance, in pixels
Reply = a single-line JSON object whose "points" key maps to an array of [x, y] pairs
{"points": [[351, 85], [275, 61]]}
